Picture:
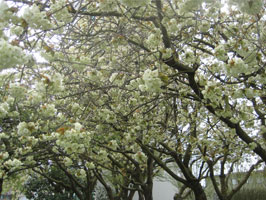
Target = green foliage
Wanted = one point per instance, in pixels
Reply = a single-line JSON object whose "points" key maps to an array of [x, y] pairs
{"points": [[40, 188], [248, 194]]}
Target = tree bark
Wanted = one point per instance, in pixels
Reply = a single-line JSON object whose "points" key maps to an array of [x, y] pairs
{"points": [[131, 195], [147, 192], [198, 192], [147, 188], [1, 185], [140, 196]]}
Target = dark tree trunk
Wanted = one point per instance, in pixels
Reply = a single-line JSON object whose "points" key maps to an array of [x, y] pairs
{"points": [[147, 188], [1, 185], [199, 192], [88, 196], [87, 193], [131, 194], [109, 193], [147, 191], [148, 196], [141, 197]]}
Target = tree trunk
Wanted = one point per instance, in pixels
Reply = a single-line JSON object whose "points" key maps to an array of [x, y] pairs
{"points": [[199, 192], [148, 186], [1, 185], [87, 193], [141, 196], [109, 193], [88, 196], [148, 196], [131, 194], [147, 191]]}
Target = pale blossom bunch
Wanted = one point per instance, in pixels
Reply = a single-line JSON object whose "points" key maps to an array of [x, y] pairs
{"points": [[188, 57], [135, 3], [23, 129], [60, 11], [81, 173], [4, 109], [5, 15], [133, 84], [189, 5], [251, 7], [57, 82], [117, 78], [152, 82], [96, 75], [17, 91], [70, 146], [106, 5], [113, 77], [172, 25], [154, 40], [4, 155], [34, 96], [3, 8], [237, 66], [48, 110], [68, 161], [17, 30], [13, 163], [166, 53], [204, 26], [3, 135], [113, 144], [70, 139], [90, 165], [220, 52], [11, 56], [29, 160], [36, 19], [102, 153], [140, 156], [108, 116], [213, 91], [78, 126]]}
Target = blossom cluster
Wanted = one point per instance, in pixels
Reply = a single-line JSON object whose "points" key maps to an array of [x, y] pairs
{"points": [[36, 19], [135, 3], [220, 52], [10, 55], [13, 163], [140, 156], [154, 39], [4, 108], [213, 91], [69, 139], [48, 110], [25, 129], [237, 66], [4, 155], [108, 116], [5, 15], [17, 91], [249, 6], [189, 5], [152, 82], [57, 82], [60, 12]]}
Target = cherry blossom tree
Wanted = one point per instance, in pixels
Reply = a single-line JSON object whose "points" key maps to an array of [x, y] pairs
{"points": [[97, 85]]}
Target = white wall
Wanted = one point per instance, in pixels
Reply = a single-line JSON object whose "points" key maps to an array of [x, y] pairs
{"points": [[162, 191]]}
